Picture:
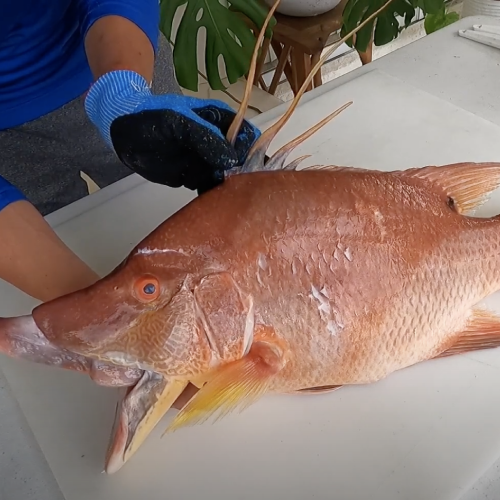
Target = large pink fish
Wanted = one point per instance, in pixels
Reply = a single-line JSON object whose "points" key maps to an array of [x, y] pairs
{"points": [[280, 281]]}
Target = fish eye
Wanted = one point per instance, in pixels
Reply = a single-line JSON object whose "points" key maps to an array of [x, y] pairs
{"points": [[147, 289]]}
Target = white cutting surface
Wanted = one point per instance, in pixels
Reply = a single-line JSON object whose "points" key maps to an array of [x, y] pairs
{"points": [[426, 432]]}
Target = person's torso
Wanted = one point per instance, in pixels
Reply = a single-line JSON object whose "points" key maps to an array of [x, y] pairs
{"points": [[42, 58]]}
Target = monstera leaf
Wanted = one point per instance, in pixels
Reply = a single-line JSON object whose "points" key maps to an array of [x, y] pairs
{"points": [[434, 22], [386, 23], [387, 26], [227, 35]]}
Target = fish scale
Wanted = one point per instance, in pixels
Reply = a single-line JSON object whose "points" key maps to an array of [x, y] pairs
{"points": [[429, 300]]}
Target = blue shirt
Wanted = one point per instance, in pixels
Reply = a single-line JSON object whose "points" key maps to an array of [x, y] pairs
{"points": [[42, 57]]}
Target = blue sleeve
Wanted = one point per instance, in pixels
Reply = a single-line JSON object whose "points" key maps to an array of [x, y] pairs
{"points": [[143, 13], [9, 194]]}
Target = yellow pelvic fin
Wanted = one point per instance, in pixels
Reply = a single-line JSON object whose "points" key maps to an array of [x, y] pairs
{"points": [[236, 385], [467, 184]]}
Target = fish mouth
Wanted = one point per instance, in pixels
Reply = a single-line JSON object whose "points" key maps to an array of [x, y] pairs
{"points": [[139, 411], [146, 395]]}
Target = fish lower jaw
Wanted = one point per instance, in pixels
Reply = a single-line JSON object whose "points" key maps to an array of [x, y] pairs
{"points": [[121, 360]]}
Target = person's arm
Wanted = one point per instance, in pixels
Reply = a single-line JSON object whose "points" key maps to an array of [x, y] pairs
{"points": [[114, 42], [120, 35], [32, 257], [167, 138]]}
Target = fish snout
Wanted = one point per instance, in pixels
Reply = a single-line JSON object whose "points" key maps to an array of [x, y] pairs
{"points": [[20, 338], [144, 329], [71, 325], [89, 320]]}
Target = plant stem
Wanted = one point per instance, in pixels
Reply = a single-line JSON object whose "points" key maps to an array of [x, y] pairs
{"points": [[225, 91], [367, 56]]}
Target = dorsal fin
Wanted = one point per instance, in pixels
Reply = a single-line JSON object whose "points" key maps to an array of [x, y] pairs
{"points": [[467, 184], [256, 156], [234, 129], [335, 168]]}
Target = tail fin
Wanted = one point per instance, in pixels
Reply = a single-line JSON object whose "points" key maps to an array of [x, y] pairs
{"points": [[468, 185]]}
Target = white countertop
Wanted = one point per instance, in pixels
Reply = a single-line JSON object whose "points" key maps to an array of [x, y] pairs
{"points": [[459, 71]]}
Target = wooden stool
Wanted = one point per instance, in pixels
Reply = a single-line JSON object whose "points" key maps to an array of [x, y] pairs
{"points": [[298, 43]]}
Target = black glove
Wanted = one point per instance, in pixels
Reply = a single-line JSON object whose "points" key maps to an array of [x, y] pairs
{"points": [[168, 139], [168, 147]]}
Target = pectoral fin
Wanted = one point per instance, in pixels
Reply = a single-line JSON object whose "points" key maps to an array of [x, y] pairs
{"points": [[234, 386], [482, 332]]}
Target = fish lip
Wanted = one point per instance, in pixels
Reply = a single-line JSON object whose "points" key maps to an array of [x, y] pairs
{"points": [[137, 413], [121, 433], [115, 453]]}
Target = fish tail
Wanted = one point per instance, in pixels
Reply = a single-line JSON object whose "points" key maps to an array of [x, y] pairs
{"points": [[466, 185]]}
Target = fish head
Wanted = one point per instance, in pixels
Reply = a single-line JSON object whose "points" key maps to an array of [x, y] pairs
{"points": [[141, 315]]}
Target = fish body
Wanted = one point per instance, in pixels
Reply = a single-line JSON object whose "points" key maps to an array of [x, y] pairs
{"points": [[354, 273], [360, 273], [281, 282]]}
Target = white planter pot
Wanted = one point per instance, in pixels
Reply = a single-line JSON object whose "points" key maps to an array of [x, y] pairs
{"points": [[304, 8], [481, 8]]}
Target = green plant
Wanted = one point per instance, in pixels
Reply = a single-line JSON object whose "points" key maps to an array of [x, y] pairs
{"points": [[386, 27], [227, 35], [440, 19]]}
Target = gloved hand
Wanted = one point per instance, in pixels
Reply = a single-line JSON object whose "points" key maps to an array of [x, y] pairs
{"points": [[168, 139]]}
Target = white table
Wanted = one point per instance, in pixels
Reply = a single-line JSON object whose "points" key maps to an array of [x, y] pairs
{"points": [[462, 72]]}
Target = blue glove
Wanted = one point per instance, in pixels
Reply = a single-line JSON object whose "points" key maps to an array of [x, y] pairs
{"points": [[168, 139]]}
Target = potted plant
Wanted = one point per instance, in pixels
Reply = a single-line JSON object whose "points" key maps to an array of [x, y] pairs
{"points": [[227, 35], [386, 26], [304, 8]]}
